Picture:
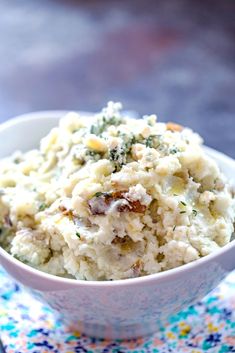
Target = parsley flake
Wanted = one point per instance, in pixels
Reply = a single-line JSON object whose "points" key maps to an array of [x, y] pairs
{"points": [[42, 207], [98, 194], [174, 150], [149, 141], [103, 123]]}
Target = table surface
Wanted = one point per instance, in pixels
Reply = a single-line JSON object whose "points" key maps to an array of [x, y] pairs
{"points": [[175, 58]]}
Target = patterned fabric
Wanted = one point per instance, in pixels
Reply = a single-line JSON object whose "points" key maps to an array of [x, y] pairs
{"points": [[26, 325]]}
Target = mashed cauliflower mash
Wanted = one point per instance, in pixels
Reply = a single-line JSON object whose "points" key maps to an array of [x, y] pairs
{"points": [[109, 197]]}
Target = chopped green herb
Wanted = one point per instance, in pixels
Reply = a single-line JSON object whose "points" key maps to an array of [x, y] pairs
{"points": [[153, 141], [78, 235], [175, 195], [174, 150], [113, 121], [183, 203], [131, 141], [128, 140], [94, 130], [103, 123], [182, 212], [17, 160], [150, 141], [99, 193], [194, 212], [174, 228], [42, 207]]}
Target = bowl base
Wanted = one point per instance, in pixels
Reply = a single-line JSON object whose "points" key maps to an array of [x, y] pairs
{"points": [[112, 332]]}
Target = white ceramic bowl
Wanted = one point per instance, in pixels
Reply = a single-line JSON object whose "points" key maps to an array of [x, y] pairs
{"points": [[118, 309]]}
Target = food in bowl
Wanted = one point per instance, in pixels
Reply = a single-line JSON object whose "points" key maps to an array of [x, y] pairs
{"points": [[110, 197]]}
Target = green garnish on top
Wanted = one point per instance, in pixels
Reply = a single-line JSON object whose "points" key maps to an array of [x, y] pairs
{"points": [[150, 141], [17, 160], [103, 123], [128, 141], [153, 141], [98, 194], [42, 207], [174, 150]]}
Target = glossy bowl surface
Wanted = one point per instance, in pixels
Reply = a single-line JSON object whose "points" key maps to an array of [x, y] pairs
{"points": [[116, 309]]}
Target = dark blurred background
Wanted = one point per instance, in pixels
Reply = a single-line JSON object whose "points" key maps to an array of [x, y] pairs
{"points": [[175, 58]]}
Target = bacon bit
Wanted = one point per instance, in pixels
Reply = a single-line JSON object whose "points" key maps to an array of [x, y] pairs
{"points": [[132, 206], [100, 204], [160, 257], [125, 243], [115, 184], [8, 221], [174, 127], [118, 240], [118, 194], [161, 241]]}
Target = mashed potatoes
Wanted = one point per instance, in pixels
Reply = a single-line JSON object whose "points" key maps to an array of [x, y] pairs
{"points": [[111, 197]]}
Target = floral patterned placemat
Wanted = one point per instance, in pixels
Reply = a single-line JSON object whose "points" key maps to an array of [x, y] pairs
{"points": [[26, 325]]}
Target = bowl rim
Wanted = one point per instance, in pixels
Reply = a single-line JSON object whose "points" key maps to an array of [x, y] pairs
{"points": [[160, 276]]}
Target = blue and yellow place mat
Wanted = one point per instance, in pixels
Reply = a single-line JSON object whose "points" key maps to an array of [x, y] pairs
{"points": [[26, 325]]}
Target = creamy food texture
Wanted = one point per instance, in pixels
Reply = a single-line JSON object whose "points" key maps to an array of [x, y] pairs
{"points": [[110, 197]]}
